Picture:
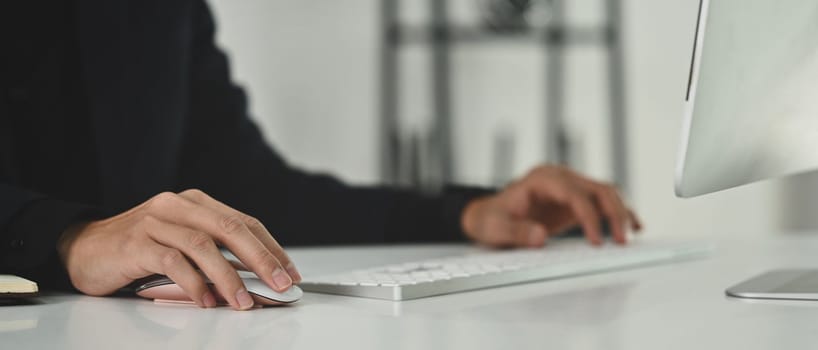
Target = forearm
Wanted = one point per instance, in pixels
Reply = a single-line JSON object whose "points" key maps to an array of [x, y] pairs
{"points": [[322, 210], [416, 217], [30, 239]]}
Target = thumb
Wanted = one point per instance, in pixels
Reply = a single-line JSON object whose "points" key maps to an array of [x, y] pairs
{"points": [[527, 233]]}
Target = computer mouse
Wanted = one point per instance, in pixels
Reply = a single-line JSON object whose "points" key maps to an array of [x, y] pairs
{"points": [[162, 289]]}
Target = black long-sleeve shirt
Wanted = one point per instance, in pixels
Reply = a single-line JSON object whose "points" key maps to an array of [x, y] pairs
{"points": [[108, 102], [44, 134]]}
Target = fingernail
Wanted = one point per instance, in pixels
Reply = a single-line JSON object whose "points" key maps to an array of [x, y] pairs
{"points": [[281, 279], [293, 273], [208, 299], [244, 299]]}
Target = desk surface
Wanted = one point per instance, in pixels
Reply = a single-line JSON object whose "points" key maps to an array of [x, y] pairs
{"points": [[676, 306]]}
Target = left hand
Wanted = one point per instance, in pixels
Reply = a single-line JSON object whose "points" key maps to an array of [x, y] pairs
{"points": [[544, 203]]}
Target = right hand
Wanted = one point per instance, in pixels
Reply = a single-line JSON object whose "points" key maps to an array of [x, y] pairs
{"points": [[167, 235]]}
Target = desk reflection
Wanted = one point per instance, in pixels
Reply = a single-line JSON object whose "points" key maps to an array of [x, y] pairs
{"points": [[108, 323]]}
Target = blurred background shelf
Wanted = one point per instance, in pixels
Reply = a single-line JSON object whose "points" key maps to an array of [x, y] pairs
{"points": [[466, 35], [427, 159]]}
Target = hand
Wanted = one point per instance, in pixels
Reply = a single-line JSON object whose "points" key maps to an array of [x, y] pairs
{"points": [[167, 235], [547, 201]]}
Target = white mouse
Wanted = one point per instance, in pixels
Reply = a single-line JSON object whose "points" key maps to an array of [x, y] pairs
{"points": [[163, 289]]}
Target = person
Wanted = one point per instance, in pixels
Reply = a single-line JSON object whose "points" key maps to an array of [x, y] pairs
{"points": [[127, 151]]}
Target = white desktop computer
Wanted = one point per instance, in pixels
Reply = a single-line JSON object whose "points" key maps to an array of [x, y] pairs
{"points": [[752, 111], [752, 97]]}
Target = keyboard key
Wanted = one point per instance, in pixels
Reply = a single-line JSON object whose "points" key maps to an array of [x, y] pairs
{"points": [[457, 274]]}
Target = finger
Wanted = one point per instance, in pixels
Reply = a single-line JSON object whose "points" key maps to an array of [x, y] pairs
{"points": [[575, 197], [615, 204], [238, 265], [255, 226], [636, 224], [614, 210], [201, 248], [528, 233], [229, 230], [172, 263], [588, 217]]}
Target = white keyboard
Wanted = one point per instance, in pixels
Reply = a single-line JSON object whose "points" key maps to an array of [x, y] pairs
{"points": [[485, 269]]}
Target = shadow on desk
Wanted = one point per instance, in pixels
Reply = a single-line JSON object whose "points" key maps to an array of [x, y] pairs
{"points": [[504, 303], [130, 323]]}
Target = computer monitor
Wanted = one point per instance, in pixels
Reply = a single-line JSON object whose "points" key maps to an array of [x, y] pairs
{"points": [[752, 99]]}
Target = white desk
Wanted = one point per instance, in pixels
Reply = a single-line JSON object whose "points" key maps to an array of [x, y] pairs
{"points": [[678, 306]]}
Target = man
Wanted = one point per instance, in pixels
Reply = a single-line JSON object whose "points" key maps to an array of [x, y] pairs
{"points": [[115, 110]]}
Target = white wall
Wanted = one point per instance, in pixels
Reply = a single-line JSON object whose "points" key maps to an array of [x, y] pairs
{"points": [[311, 70]]}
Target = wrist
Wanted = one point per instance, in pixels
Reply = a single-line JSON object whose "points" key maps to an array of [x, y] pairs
{"points": [[67, 239]]}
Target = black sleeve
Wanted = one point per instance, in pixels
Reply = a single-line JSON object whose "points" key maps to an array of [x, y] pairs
{"points": [[30, 225], [225, 155]]}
